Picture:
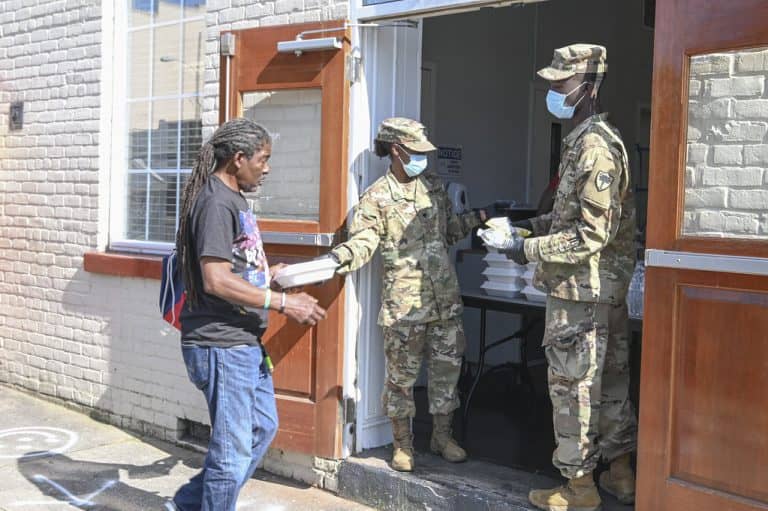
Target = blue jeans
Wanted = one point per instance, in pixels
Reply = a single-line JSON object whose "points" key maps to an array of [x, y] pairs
{"points": [[241, 403]]}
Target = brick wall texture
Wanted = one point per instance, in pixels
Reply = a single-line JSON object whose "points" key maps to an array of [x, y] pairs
{"points": [[94, 341], [726, 178]]}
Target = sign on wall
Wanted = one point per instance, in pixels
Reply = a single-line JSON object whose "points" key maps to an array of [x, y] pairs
{"points": [[449, 161]]}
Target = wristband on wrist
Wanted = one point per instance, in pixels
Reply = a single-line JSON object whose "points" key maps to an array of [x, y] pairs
{"points": [[267, 299], [282, 303]]}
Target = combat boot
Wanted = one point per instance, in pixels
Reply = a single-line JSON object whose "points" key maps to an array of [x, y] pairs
{"points": [[619, 480], [442, 442], [579, 494], [402, 455]]}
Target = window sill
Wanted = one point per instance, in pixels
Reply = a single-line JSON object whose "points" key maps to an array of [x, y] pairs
{"points": [[123, 265]]}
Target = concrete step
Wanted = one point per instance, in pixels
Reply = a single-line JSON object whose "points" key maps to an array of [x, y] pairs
{"points": [[437, 485]]}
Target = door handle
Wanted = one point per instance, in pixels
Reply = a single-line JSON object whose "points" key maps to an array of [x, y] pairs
{"points": [[321, 239]]}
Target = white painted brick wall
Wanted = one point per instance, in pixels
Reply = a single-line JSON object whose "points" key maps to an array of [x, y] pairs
{"points": [[726, 178], [50, 58]]}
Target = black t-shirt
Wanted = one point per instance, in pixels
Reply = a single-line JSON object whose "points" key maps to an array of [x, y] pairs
{"points": [[222, 225]]}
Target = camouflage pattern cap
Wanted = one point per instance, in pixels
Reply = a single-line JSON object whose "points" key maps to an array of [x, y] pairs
{"points": [[574, 59], [407, 132]]}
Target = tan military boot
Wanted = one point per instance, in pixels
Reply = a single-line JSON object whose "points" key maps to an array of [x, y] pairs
{"points": [[579, 494], [402, 455], [619, 480], [442, 442]]}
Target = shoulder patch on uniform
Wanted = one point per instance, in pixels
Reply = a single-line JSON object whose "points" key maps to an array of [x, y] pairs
{"points": [[603, 181]]}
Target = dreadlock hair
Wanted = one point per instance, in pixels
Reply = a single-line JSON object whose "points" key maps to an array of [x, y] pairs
{"points": [[236, 135]]}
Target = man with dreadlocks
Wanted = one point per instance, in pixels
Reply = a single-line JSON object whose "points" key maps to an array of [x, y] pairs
{"points": [[227, 279]]}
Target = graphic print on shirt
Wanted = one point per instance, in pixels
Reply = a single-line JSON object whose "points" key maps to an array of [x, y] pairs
{"points": [[248, 257]]}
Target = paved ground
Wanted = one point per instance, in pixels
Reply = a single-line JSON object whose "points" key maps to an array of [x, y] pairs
{"points": [[55, 459]]}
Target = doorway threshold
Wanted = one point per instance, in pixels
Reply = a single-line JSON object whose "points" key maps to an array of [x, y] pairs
{"points": [[438, 485]]}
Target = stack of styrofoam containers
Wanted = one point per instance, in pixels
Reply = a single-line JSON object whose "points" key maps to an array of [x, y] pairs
{"points": [[503, 277], [530, 292]]}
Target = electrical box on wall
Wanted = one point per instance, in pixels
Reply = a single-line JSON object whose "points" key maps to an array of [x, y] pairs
{"points": [[16, 116]]}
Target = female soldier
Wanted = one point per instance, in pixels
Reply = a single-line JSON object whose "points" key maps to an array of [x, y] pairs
{"points": [[409, 214]]}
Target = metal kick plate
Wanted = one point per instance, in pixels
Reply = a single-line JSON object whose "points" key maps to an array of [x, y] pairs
{"points": [[323, 239], [706, 262]]}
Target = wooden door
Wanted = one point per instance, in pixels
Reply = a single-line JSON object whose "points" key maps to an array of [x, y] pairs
{"points": [[704, 386], [303, 101]]}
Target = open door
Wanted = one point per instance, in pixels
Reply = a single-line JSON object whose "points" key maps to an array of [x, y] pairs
{"points": [[389, 86], [704, 404], [303, 101]]}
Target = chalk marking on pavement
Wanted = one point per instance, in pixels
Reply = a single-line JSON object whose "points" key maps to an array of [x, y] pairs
{"points": [[15, 439], [86, 501], [246, 504]]}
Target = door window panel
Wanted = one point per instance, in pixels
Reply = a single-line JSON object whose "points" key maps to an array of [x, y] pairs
{"points": [[293, 118], [726, 173]]}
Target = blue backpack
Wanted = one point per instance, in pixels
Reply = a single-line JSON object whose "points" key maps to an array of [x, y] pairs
{"points": [[172, 292]]}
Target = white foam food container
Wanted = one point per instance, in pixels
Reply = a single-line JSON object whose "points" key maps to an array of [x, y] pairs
{"points": [[497, 260], [310, 272], [504, 271], [501, 289], [504, 276], [534, 295]]}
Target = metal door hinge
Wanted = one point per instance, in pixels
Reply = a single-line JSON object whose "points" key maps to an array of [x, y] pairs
{"points": [[352, 68], [350, 410], [227, 44]]}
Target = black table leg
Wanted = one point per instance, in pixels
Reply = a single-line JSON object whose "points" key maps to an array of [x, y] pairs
{"points": [[478, 374]]}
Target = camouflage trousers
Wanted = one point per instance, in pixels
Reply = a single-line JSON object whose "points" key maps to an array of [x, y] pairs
{"points": [[406, 347], [587, 348]]}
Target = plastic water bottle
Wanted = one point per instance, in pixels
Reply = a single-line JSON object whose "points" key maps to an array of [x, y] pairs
{"points": [[636, 291]]}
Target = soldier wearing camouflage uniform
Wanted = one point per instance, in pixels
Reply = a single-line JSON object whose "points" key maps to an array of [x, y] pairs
{"points": [[408, 214], [585, 254]]}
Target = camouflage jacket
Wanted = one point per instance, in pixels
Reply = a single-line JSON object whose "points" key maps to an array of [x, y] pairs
{"points": [[415, 225], [585, 246]]}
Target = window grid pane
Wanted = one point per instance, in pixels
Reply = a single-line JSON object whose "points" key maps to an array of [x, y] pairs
{"points": [[165, 68]]}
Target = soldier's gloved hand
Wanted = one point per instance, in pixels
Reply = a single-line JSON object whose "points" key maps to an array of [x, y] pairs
{"points": [[517, 251], [523, 224], [342, 257]]}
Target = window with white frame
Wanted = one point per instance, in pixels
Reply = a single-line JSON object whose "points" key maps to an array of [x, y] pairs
{"points": [[159, 107]]}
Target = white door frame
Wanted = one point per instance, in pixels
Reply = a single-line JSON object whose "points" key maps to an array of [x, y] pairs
{"points": [[389, 85]]}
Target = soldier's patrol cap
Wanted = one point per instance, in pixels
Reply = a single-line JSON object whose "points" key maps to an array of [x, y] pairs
{"points": [[406, 132], [573, 59]]}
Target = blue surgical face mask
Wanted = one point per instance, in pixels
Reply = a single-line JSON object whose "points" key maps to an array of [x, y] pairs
{"points": [[416, 165], [556, 103]]}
